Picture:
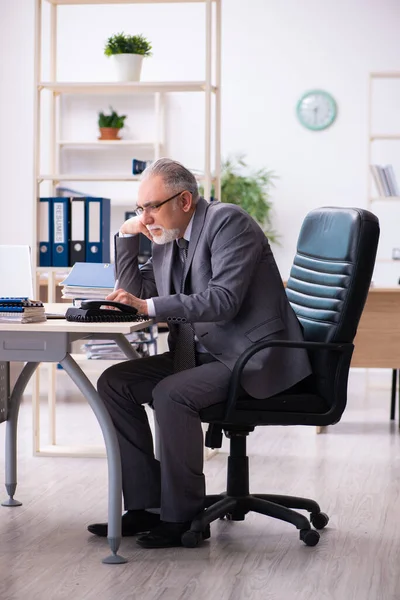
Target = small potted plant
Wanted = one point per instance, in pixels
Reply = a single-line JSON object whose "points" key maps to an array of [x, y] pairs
{"points": [[127, 52], [110, 125]]}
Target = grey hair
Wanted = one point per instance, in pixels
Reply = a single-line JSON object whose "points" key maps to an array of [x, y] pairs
{"points": [[175, 176]]}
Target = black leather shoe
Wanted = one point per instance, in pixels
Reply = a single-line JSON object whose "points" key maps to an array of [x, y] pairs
{"points": [[167, 535], [132, 523]]}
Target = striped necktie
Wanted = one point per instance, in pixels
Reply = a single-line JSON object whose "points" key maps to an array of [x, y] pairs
{"points": [[184, 353]]}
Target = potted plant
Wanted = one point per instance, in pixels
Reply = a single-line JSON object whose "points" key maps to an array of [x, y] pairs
{"points": [[127, 52], [110, 125], [250, 190]]}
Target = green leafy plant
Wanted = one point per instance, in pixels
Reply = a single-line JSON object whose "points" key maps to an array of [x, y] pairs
{"points": [[250, 190], [127, 44], [112, 120]]}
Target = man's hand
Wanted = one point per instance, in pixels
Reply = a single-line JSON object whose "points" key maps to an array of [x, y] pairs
{"points": [[134, 226], [126, 298]]}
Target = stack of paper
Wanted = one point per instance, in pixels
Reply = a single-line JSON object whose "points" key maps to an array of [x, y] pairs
{"points": [[144, 342], [89, 280], [21, 310], [97, 280]]}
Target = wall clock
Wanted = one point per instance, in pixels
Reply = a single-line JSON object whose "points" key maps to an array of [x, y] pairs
{"points": [[316, 110]]}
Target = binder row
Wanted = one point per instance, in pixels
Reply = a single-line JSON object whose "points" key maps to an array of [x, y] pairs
{"points": [[74, 230]]}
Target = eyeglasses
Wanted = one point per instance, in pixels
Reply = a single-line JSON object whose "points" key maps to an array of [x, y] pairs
{"points": [[151, 208]]}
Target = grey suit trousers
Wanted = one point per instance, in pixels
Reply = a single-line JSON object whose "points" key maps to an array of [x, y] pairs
{"points": [[176, 484]]}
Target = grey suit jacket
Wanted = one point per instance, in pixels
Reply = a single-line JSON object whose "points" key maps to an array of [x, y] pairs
{"points": [[237, 297]]}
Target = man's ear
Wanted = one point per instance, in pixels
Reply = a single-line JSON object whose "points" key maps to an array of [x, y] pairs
{"points": [[186, 201]]}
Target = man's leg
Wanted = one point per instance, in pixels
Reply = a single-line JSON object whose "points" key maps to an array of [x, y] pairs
{"points": [[124, 388], [177, 401]]}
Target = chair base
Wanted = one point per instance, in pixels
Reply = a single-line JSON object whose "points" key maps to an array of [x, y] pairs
{"points": [[219, 506], [236, 502]]}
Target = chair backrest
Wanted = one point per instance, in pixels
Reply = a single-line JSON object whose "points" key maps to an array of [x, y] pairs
{"points": [[328, 287], [332, 270]]}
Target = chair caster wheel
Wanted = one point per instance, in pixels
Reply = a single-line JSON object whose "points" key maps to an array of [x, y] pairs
{"points": [[236, 515], [319, 520], [309, 536], [191, 539]]}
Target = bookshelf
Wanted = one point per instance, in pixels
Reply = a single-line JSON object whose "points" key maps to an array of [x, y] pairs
{"points": [[383, 140], [49, 109], [155, 144], [377, 136]]}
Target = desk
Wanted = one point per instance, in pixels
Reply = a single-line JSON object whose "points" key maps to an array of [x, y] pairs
{"points": [[377, 343], [50, 342]]}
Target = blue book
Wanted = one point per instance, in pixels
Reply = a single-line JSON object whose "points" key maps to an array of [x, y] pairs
{"points": [[17, 305], [93, 275]]}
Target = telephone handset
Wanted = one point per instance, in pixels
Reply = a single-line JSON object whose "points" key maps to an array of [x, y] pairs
{"points": [[96, 304], [90, 311]]}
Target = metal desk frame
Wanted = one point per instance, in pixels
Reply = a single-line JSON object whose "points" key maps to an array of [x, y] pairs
{"points": [[25, 344]]}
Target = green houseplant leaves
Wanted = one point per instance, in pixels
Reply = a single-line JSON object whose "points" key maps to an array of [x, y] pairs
{"points": [[112, 120], [127, 44], [250, 190]]}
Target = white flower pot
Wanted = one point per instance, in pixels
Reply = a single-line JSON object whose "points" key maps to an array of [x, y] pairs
{"points": [[127, 66]]}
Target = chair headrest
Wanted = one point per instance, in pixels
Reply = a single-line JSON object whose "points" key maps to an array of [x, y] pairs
{"points": [[332, 270]]}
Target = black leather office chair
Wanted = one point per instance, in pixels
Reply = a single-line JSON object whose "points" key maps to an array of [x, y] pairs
{"points": [[327, 289]]}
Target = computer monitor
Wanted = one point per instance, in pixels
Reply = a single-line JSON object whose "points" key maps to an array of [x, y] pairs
{"points": [[16, 279]]}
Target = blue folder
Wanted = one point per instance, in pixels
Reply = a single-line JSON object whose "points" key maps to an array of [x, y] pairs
{"points": [[60, 232], [45, 232], [99, 275], [97, 230]]}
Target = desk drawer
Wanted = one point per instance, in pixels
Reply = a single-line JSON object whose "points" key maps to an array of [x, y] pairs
{"points": [[32, 346]]}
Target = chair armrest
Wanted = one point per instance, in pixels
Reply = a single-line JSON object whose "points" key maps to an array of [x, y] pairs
{"points": [[234, 382]]}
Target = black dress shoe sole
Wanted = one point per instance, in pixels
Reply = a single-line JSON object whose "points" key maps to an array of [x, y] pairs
{"points": [[127, 530], [154, 541]]}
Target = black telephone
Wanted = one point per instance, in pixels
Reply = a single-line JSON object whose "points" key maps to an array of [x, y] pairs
{"points": [[90, 311]]}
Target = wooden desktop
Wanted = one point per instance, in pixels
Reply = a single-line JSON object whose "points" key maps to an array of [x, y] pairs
{"points": [[377, 343]]}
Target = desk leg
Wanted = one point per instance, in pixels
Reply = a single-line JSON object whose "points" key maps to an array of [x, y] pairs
{"points": [[11, 432], [113, 456], [393, 397]]}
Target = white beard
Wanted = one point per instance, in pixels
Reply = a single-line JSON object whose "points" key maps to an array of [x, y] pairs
{"points": [[167, 235]]}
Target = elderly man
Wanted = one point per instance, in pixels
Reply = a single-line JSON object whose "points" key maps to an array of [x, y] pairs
{"points": [[214, 280]]}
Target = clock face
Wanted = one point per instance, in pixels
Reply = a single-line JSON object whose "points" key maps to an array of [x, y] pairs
{"points": [[316, 110]]}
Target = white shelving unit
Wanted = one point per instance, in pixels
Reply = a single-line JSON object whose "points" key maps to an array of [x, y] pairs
{"points": [[379, 136], [376, 136], [56, 142]]}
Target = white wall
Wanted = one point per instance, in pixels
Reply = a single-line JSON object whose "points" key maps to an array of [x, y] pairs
{"points": [[16, 118], [272, 52]]}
